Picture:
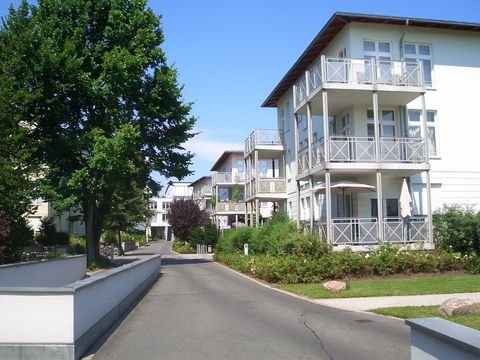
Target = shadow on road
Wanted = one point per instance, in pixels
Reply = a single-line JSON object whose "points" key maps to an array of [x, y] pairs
{"points": [[178, 261]]}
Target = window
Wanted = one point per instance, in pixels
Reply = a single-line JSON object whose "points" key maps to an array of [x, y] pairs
{"points": [[381, 52], [391, 208], [420, 53], [152, 205], [414, 128], [240, 167], [387, 123], [165, 205]]}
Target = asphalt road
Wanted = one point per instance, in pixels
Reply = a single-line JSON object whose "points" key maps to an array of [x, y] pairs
{"points": [[200, 310]]}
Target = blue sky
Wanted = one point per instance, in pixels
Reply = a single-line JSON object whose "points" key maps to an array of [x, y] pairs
{"points": [[230, 54]]}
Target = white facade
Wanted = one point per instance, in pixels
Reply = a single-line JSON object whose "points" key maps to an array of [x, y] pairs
{"points": [[202, 193], [68, 222], [228, 189], [393, 91]]}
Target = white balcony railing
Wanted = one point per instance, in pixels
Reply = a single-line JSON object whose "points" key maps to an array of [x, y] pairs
{"points": [[357, 71], [362, 149], [263, 137], [227, 177], [229, 207], [272, 186], [363, 231]]}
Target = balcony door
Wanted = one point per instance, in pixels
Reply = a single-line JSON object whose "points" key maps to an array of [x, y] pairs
{"points": [[381, 52]]}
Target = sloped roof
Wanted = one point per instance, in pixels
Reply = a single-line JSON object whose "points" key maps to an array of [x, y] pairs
{"points": [[336, 23], [224, 157]]}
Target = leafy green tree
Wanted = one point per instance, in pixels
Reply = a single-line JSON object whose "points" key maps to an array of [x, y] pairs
{"points": [[129, 207], [92, 85], [184, 216]]}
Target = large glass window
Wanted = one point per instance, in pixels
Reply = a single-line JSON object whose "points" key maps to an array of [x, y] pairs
{"points": [[387, 123], [414, 128], [421, 53]]}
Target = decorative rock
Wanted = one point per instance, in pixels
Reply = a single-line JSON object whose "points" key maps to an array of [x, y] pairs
{"points": [[455, 306], [335, 285]]}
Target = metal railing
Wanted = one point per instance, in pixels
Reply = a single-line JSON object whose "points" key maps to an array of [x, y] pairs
{"points": [[302, 161], [263, 137], [411, 150], [272, 186], [352, 149], [358, 71], [363, 231], [230, 207], [227, 177], [362, 149]]}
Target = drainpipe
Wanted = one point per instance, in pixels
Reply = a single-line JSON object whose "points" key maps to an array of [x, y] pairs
{"points": [[401, 39]]}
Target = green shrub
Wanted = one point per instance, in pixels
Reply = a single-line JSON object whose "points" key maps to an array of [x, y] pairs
{"points": [[206, 235], [183, 247], [472, 263], [77, 246], [457, 228], [110, 237], [232, 241]]}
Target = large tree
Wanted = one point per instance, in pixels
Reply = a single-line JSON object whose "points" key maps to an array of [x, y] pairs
{"points": [[184, 216], [91, 82]]}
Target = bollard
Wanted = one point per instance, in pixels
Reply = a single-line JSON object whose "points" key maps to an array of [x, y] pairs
{"points": [[245, 249]]}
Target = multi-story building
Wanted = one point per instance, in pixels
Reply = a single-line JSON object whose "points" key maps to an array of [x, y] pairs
{"points": [[157, 226], [228, 190], [265, 183], [371, 102], [202, 193], [68, 221]]}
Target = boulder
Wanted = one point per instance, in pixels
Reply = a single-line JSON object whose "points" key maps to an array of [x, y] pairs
{"points": [[455, 306], [335, 285]]}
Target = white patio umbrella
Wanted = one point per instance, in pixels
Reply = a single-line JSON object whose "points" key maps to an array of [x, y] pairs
{"points": [[405, 201], [344, 187]]}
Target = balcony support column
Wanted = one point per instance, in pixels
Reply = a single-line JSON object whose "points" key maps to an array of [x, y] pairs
{"points": [[376, 124], [298, 203], [429, 207], [328, 207], [296, 135], [312, 204], [309, 133], [257, 213], [326, 135], [425, 129], [380, 206], [257, 180]]}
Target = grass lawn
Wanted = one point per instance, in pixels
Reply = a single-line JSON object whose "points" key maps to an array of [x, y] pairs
{"points": [[392, 287], [408, 312]]}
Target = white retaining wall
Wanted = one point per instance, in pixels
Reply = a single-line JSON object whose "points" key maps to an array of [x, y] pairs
{"points": [[62, 323], [44, 273]]}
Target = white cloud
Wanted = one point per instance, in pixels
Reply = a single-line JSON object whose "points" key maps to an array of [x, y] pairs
{"points": [[207, 149]]}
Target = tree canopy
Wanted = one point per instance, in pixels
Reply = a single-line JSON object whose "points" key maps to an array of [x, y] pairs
{"points": [[90, 83], [184, 216]]}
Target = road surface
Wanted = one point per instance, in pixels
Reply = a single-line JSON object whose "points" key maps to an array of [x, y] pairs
{"points": [[200, 310]]}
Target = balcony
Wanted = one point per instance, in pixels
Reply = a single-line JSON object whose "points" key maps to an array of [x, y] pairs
{"points": [[229, 207], [349, 149], [342, 73], [268, 139], [227, 178], [365, 231], [267, 186]]}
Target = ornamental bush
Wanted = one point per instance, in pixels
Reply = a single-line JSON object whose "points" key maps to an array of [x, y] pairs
{"points": [[457, 228]]}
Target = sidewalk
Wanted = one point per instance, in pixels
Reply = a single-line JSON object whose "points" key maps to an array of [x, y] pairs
{"points": [[369, 303]]}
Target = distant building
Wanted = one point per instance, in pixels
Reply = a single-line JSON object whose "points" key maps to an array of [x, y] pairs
{"points": [[202, 193]]}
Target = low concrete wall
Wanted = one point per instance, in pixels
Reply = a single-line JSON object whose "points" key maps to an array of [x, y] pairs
{"points": [[62, 323], [44, 273], [435, 338]]}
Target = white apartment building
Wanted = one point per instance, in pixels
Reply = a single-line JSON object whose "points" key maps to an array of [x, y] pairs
{"points": [[158, 226], [202, 193], [374, 100], [265, 183], [228, 189]]}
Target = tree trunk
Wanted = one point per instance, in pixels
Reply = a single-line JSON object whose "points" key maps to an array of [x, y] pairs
{"points": [[120, 249], [92, 231]]}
